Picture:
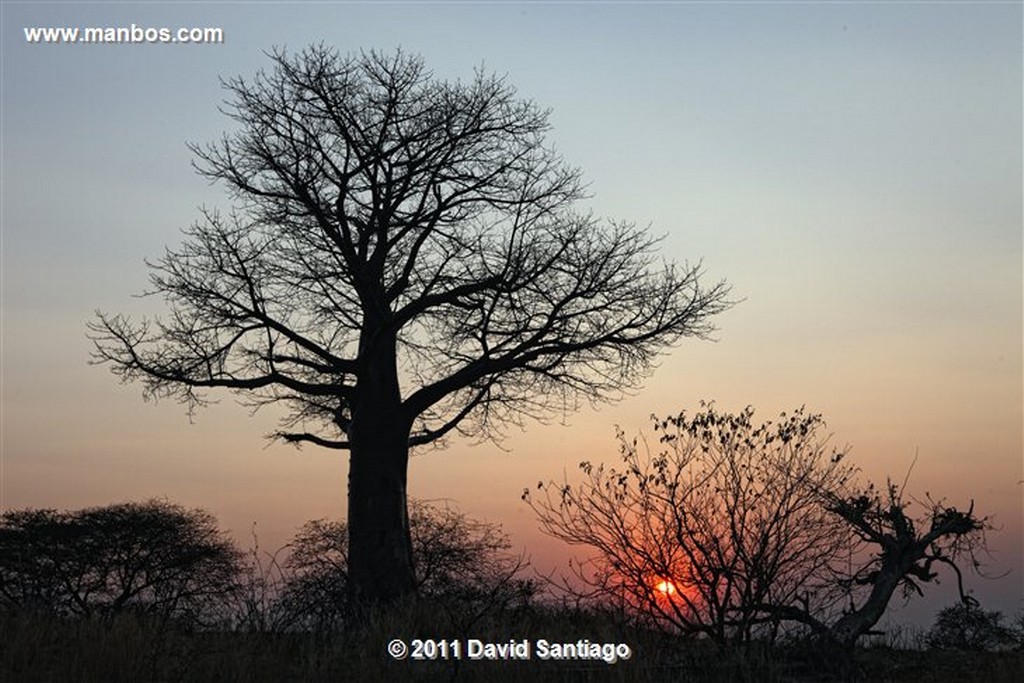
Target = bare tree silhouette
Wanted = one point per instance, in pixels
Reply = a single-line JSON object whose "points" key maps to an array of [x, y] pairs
{"points": [[404, 262]]}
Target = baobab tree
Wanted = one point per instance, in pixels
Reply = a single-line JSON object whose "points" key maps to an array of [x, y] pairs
{"points": [[404, 261]]}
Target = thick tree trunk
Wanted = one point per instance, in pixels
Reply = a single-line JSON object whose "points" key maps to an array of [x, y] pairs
{"points": [[897, 560], [380, 550]]}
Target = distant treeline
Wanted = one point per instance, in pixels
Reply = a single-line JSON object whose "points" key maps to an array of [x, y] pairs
{"points": [[163, 560], [155, 591]]}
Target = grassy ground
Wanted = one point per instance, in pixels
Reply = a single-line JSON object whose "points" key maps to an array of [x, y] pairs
{"points": [[37, 648]]}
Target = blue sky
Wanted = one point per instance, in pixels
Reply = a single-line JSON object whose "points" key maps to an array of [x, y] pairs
{"points": [[854, 170]]}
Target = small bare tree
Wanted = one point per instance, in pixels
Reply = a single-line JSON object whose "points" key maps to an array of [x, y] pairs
{"points": [[405, 262], [735, 530], [702, 534]]}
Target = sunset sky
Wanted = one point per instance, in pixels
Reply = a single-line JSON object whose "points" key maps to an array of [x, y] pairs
{"points": [[852, 170]]}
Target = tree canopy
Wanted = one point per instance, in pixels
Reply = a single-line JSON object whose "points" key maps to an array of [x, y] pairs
{"points": [[372, 197]]}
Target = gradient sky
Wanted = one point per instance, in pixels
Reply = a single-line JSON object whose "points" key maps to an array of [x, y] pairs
{"points": [[853, 170]]}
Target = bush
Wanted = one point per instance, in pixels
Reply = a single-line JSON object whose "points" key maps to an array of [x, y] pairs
{"points": [[965, 626]]}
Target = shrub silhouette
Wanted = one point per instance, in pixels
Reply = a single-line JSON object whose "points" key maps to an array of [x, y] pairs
{"points": [[966, 626]]}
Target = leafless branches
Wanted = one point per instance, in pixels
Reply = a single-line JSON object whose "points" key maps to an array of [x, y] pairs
{"points": [[721, 521], [463, 566], [375, 203]]}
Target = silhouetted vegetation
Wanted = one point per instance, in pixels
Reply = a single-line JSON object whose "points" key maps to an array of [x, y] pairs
{"points": [[152, 558], [387, 219], [130, 648], [464, 568], [703, 536], [283, 616], [737, 531], [966, 626]]}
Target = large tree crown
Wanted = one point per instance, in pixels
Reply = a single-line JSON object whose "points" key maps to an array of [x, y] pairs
{"points": [[384, 216]]}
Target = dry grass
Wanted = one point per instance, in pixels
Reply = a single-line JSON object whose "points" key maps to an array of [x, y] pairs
{"points": [[43, 648]]}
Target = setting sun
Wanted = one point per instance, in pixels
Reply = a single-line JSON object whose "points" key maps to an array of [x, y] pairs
{"points": [[665, 587]]}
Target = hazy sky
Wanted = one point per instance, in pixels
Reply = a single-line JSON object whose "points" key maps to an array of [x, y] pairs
{"points": [[853, 170]]}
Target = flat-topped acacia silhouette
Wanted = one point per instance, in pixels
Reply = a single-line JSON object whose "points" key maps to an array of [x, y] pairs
{"points": [[404, 262], [154, 557]]}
